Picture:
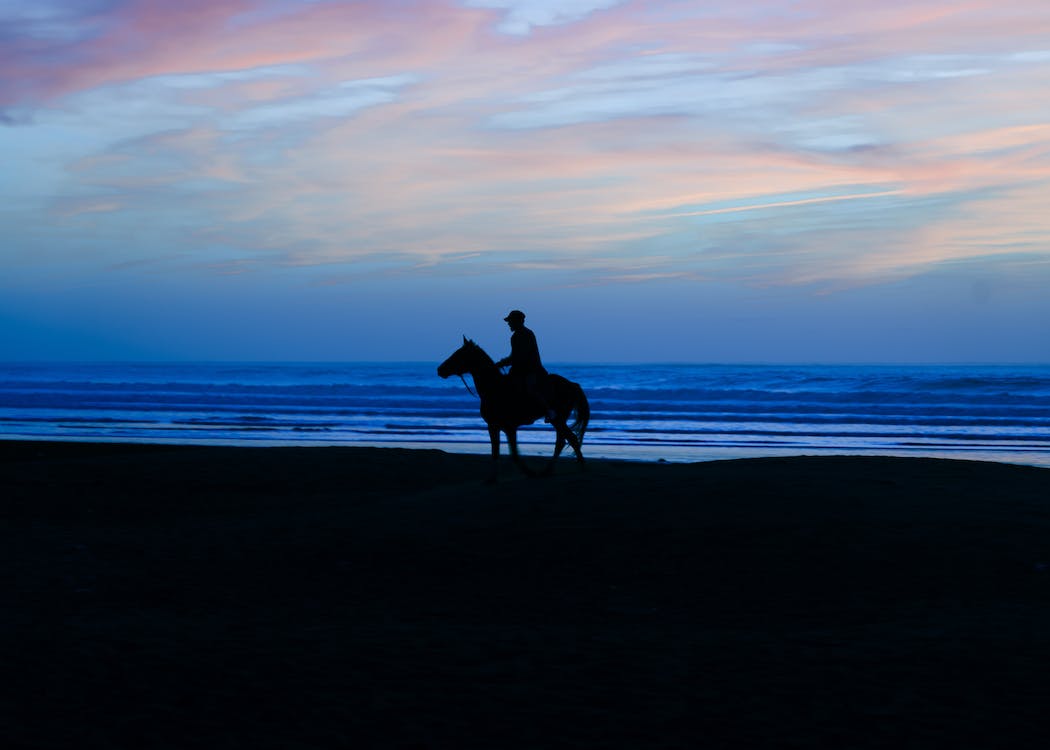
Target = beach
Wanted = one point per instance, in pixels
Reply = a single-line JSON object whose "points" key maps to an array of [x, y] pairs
{"points": [[201, 596]]}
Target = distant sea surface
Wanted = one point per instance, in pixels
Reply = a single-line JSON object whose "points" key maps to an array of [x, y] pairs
{"points": [[644, 412]]}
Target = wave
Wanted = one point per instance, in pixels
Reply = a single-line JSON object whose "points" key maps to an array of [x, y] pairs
{"points": [[954, 408]]}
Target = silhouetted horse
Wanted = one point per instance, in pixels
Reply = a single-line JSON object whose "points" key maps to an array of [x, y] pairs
{"points": [[505, 408]]}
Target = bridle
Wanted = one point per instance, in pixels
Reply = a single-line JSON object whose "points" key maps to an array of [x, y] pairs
{"points": [[466, 385]]}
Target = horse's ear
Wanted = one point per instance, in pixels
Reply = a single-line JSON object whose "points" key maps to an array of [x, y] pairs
{"points": [[464, 339]]}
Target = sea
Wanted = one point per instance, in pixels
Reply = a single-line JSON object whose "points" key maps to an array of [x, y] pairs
{"points": [[645, 412]]}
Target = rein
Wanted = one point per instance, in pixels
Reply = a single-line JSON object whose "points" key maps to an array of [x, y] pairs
{"points": [[469, 390]]}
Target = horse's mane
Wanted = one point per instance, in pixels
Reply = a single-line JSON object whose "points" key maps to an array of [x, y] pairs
{"points": [[470, 344]]}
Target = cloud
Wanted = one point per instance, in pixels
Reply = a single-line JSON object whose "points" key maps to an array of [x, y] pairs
{"points": [[71, 207], [137, 39], [768, 96], [343, 100], [764, 205], [755, 142], [522, 16], [51, 21]]}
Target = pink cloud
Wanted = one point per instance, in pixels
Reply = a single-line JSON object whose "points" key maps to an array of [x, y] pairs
{"points": [[431, 174], [145, 38]]}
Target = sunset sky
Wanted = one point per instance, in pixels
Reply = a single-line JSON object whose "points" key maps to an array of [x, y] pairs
{"points": [[746, 181]]}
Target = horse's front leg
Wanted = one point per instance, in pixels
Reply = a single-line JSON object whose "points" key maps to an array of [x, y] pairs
{"points": [[512, 445], [494, 441]]}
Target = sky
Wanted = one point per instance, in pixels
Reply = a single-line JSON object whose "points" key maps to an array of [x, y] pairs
{"points": [[704, 181]]}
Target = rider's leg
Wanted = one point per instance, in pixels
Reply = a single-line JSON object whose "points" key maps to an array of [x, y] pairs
{"points": [[533, 390]]}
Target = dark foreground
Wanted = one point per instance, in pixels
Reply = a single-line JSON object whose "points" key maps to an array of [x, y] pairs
{"points": [[160, 597]]}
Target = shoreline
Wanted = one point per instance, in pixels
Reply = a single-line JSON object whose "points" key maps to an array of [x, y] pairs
{"points": [[652, 453], [175, 596]]}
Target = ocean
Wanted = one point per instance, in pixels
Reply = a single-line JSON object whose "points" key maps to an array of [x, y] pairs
{"points": [[644, 412]]}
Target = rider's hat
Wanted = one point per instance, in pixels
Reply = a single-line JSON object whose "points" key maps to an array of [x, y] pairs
{"points": [[515, 315]]}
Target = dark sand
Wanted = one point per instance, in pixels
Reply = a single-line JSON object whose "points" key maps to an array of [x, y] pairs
{"points": [[192, 597]]}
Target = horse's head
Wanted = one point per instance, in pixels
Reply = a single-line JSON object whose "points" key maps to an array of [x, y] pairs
{"points": [[462, 361]]}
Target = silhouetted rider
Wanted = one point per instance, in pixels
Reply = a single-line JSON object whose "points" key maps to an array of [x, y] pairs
{"points": [[524, 360]]}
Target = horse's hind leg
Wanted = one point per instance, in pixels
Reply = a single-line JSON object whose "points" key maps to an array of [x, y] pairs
{"points": [[559, 445], [575, 443], [564, 433]]}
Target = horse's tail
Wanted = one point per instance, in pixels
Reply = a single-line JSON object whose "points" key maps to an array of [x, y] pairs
{"points": [[581, 408]]}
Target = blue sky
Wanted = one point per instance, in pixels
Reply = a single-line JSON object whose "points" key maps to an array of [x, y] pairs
{"points": [[768, 181]]}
